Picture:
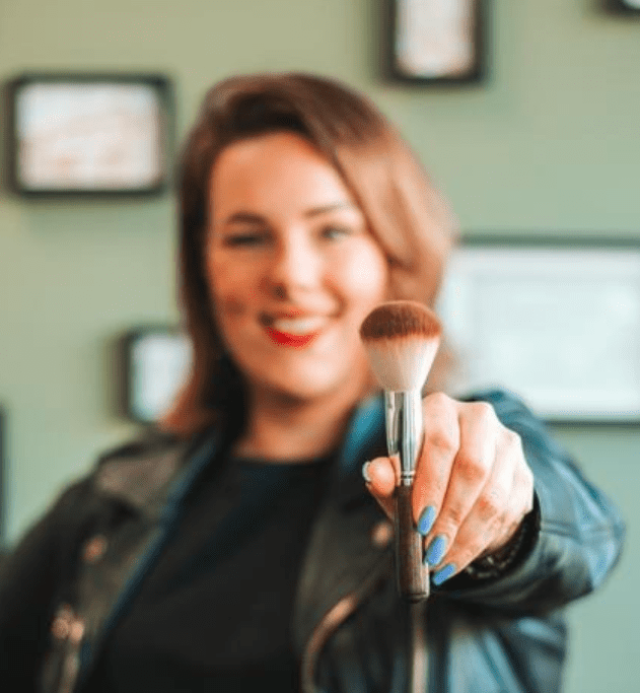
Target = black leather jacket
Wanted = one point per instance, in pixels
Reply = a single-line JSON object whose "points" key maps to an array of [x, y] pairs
{"points": [[64, 587]]}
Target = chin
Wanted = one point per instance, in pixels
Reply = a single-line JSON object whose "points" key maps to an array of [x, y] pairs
{"points": [[303, 391], [301, 386], [305, 376]]}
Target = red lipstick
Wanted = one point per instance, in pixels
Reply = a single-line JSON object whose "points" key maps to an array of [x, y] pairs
{"points": [[298, 341]]}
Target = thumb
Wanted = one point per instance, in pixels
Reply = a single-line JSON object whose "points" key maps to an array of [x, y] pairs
{"points": [[380, 478]]}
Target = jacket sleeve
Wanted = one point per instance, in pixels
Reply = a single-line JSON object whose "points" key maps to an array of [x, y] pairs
{"points": [[580, 532], [29, 579]]}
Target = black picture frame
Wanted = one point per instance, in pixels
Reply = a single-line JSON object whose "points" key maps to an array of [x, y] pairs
{"points": [[3, 490], [437, 42], [628, 7], [556, 319], [156, 362], [89, 134]]}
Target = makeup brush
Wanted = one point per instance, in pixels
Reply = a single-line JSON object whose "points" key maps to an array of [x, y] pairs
{"points": [[401, 339]]}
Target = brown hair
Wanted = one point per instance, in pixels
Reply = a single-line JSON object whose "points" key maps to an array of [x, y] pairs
{"points": [[406, 214]]}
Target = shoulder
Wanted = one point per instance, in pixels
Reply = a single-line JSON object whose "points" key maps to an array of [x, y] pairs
{"points": [[138, 470], [151, 440]]}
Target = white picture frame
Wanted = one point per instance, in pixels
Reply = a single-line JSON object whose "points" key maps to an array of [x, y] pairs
{"points": [[438, 41], [559, 324], [158, 360]]}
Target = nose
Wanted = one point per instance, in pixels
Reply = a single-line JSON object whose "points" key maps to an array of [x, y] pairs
{"points": [[296, 265]]}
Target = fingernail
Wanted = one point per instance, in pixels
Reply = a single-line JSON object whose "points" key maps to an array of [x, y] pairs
{"points": [[436, 550], [365, 472], [444, 574], [425, 521]]}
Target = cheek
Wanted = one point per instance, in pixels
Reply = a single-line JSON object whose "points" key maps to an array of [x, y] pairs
{"points": [[230, 306], [229, 296], [366, 280], [230, 316]]}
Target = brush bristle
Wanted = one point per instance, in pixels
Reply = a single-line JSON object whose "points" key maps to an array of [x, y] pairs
{"points": [[401, 339]]}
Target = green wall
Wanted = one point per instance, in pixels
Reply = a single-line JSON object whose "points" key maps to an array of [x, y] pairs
{"points": [[549, 145]]}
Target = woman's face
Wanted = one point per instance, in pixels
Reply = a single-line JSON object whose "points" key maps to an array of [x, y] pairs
{"points": [[292, 268]]}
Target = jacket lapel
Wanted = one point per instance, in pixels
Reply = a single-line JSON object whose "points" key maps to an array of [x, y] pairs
{"points": [[345, 556]]}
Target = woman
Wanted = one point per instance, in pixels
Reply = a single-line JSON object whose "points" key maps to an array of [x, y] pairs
{"points": [[238, 545]]}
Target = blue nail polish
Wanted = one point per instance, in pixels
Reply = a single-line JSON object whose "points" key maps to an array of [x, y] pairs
{"points": [[425, 521], [436, 550], [444, 574]]}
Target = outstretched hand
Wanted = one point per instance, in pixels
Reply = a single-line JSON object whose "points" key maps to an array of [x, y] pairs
{"points": [[472, 486]]}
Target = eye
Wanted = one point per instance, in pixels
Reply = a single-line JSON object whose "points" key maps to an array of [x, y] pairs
{"points": [[246, 239], [336, 231]]}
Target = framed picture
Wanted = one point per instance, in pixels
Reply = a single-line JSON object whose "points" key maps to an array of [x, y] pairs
{"points": [[438, 41], [2, 481], [157, 360], [625, 6], [89, 134], [557, 323]]}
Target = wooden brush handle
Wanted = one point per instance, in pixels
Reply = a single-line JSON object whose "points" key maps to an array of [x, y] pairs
{"points": [[413, 574]]}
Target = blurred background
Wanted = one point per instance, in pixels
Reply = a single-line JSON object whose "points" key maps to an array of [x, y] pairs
{"points": [[547, 144]]}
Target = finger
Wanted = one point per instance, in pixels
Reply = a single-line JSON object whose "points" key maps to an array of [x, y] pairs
{"points": [[477, 534], [440, 446], [472, 467], [520, 497], [497, 513], [380, 476]]}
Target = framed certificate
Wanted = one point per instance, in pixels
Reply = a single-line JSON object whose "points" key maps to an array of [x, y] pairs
{"points": [[89, 134], [557, 323], [438, 41]]}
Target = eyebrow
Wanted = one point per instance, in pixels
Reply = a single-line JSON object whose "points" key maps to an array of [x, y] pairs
{"points": [[316, 211], [251, 218]]}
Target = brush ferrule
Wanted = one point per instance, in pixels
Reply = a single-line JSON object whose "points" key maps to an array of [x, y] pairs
{"points": [[403, 411]]}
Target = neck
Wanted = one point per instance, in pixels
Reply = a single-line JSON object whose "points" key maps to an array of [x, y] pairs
{"points": [[284, 428]]}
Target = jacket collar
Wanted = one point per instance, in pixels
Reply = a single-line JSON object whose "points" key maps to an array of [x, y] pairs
{"points": [[152, 476], [343, 562], [363, 441]]}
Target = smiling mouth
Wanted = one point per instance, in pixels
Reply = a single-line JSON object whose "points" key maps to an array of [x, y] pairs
{"points": [[294, 331], [290, 340], [300, 326]]}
